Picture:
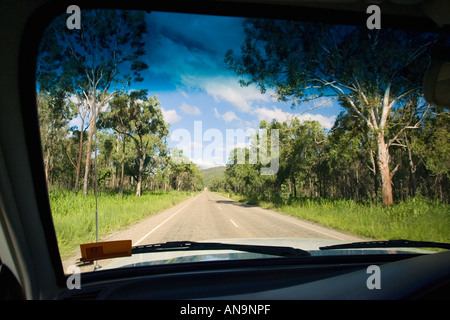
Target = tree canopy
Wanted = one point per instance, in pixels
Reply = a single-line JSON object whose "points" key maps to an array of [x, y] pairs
{"points": [[93, 63], [375, 75], [86, 74]]}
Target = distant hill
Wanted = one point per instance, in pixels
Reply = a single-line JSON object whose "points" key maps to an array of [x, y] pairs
{"points": [[212, 172]]}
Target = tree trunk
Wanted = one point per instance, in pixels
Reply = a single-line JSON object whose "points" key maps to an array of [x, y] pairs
{"points": [[412, 177], [295, 187], [376, 185], [383, 166], [47, 167], [92, 128], [88, 159], [412, 171], [122, 167], [140, 172], [80, 155]]}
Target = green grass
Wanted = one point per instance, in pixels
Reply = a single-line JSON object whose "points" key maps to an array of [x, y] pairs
{"points": [[415, 219], [74, 215]]}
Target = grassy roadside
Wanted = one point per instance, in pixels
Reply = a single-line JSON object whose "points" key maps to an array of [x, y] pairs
{"points": [[414, 219], [74, 215]]}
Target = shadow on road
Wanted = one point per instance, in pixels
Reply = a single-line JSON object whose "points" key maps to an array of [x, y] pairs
{"points": [[236, 203]]}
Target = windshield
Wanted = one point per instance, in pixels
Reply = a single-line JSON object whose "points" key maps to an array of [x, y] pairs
{"points": [[160, 127]]}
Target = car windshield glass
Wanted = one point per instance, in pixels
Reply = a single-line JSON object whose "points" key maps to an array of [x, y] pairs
{"points": [[160, 127]]}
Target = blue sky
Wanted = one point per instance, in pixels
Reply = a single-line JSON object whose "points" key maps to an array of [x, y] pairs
{"points": [[200, 98], [185, 54]]}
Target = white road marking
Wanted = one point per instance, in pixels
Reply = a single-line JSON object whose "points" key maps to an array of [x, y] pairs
{"points": [[279, 216], [159, 225], [234, 223], [301, 225]]}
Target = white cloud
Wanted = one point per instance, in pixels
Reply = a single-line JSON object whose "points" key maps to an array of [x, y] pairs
{"points": [[280, 115], [326, 122], [230, 91], [208, 163], [183, 93], [76, 122], [228, 116], [227, 88], [217, 114], [170, 116], [191, 110], [269, 115]]}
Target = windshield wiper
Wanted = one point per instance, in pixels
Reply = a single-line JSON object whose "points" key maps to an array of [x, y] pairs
{"points": [[388, 244], [189, 246]]}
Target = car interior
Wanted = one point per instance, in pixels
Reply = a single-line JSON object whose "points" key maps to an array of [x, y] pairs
{"points": [[30, 262]]}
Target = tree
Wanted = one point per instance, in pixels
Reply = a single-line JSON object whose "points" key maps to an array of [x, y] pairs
{"points": [[374, 74], [94, 62], [243, 177], [118, 117], [138, 117], [54, 116], [185, 175], [83, 114], [432, 146], [351, 159], [217, 184], [301, 143]]}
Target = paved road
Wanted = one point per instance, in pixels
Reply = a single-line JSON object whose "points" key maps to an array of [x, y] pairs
{"points": [[209, 216]]}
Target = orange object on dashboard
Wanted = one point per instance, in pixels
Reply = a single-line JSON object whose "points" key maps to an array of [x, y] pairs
{"points": [[105, 250]]}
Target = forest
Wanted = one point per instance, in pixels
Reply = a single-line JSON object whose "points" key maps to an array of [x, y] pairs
{"points": [[120, 143], [388, 144], [127, 157], [341, 164]]}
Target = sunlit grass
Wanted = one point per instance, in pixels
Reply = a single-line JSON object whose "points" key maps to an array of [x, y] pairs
{"points": [[414, 219], [74, 215]]}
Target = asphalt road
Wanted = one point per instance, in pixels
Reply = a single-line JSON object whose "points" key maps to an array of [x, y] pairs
{"points": [[209, 216]]}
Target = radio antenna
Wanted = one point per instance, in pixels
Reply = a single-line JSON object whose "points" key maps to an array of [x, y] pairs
{"points": [[95, 192]]}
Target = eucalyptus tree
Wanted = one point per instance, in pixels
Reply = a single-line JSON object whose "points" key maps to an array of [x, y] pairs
{"points": [[138, 117], [93, 63], [54, 116], [374, 74], [117, 117]]}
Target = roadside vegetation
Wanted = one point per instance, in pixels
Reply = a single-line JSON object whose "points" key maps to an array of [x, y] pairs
{"points": [[413, 219], [383, 169], [99, 133], [74, 214], [386, 143]]}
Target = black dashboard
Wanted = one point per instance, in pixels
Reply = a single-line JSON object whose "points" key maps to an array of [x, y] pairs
{"points": [[335, 278]]}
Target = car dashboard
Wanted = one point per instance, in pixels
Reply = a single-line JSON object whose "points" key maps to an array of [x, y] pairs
{"points": [[311, 278]]}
